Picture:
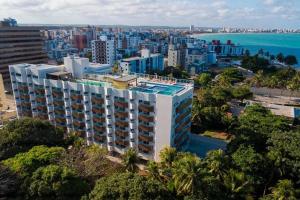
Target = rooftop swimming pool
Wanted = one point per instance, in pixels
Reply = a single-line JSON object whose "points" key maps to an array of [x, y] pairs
{"points": [[156, 88], [95, 83]]}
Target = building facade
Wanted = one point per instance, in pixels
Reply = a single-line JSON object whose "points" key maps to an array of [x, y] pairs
{"points": [[19, 45], [146, 63], [103, 51], [137, 111]]}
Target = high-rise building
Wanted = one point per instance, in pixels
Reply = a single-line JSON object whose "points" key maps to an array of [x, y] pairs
{"points": [[103, 51], [18, 45], [80, 42], [143, 112], [176, 56]]}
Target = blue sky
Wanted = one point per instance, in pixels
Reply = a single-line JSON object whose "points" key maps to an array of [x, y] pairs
{"points": [[233, 13]]}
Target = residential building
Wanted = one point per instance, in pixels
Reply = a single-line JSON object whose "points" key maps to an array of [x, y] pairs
{"points": [[103, 51], [118, 112], [19, 45], [80, 42], [146, 63], [176, 56], [227, 49]]}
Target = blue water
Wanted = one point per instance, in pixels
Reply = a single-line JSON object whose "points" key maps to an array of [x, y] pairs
{"points": [[159, 88], [200, 145], [288, 44]]}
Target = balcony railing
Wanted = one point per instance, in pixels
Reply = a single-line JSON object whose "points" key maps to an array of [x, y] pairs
{"points": [[58, 103], [121, 104], [145, 138], [121, 133], [98, 120], [182, 116], [98, 110], [97, 100], [145, 148], [99, 138], [122, 124], [57, 94], [183, 105], [146, 108], [76, 97], [146, 128], [77, 107], [179, 128], [121, 114], [78, 115], [146, 118], [122, 143], [99, 128]]}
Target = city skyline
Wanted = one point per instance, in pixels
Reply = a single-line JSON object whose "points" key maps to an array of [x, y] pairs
{"points": [[218, 13]]}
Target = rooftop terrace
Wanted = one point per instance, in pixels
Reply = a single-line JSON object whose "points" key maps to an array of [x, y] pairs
{"points": [[139, 82]]}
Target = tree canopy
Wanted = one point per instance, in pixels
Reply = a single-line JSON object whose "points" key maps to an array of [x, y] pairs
{"points": [[21, 135]]}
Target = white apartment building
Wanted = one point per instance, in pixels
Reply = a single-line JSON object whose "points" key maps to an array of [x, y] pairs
{"points": [[136, 111], [103, 51]]}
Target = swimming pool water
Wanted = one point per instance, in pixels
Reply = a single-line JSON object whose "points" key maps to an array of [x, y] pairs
{"points": [[159, 88]]}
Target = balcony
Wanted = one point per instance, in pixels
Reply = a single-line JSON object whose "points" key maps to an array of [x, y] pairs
{"points": [[121, 133], [146, 108], [60, 120], [179, 128], [100, 139], [25, 96], [26, 113], [183, 105], [121, 114], [122, 143], [122, 124], [121, 104], [182, 116], [57, 94], [97, 101], [98, 110], [40, 92], [145, 148], [145, 128], [76, 97], [98, 120], [77, 107], [78, 115], [80, 125], [145, 138], [41, 108], [42, 116], [59, 112], [41, 99], [146, 118], [58, 103], [99, 129]]}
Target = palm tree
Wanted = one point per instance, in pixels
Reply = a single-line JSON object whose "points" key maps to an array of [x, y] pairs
{"points": [[167, 156], [284, 190], [130, 159], [237, 185], [187, 174], [216, 162]]}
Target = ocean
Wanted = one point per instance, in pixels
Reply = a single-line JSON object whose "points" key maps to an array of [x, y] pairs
{"points": [[288, 44]]}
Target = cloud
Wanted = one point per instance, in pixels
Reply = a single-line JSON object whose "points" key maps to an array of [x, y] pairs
{"points": [[147, 12]]}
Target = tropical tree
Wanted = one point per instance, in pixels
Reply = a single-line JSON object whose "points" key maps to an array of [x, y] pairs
{"points": [[237, 184], [204, 79], [130, 159], [187, 174], [21, 135], [216, 162], [56, 182], [168, 156], [242, 92], [123, 186], [26, 163], [284, 190]]}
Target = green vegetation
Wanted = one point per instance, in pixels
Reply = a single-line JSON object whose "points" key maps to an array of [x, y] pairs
{"points": [[262, 162], [56, 182], [20, 135]]}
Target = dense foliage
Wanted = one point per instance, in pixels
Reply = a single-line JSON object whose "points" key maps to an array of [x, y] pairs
{"points": [[128, 186], [20, 135], [261, 162]]}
